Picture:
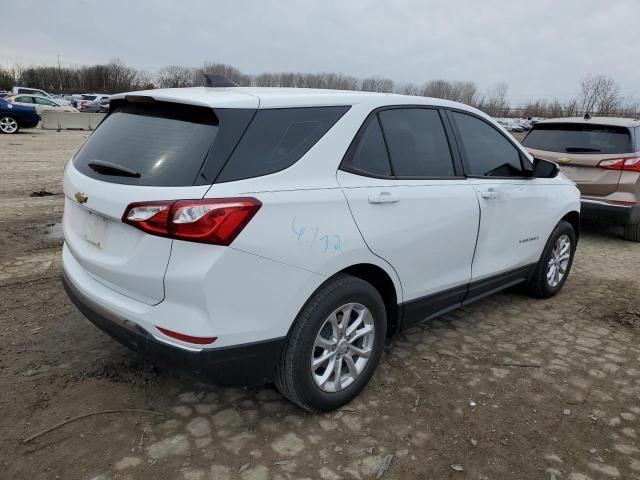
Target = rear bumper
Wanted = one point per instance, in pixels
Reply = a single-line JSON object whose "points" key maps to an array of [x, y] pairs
{"points": [[246, 364], [604, 212]]}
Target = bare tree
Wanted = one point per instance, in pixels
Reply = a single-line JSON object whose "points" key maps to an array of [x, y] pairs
{"points": [[176, 76], [599, 94], [6, 79], [376, 84], [496, 102], [464, 92], [227, 71], [408, 89]]}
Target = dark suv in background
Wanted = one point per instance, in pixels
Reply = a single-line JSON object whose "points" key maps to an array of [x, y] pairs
{"points": [[602, 155]]}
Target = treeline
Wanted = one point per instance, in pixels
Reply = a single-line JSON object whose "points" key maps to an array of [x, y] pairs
{"points": [[599, 95], [109, 78]]}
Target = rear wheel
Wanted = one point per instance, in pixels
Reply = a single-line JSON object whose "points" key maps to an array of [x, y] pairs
{"points": [[632, 232], [8, 124], [334, 346], [555, 263]]}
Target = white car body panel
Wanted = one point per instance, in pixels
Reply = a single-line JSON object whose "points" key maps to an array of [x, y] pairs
{"points": [[516, 221], [428, 235]]}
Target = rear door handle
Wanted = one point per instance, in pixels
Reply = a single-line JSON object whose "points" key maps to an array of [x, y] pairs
{"points": [[384, 197], [489, 194]]}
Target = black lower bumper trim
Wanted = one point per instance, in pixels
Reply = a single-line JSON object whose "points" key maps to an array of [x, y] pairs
{"points": [[605, 213], [247, 364]]}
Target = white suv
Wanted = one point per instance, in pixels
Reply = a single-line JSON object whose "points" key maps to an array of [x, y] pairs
{"points": [[283, 235]]}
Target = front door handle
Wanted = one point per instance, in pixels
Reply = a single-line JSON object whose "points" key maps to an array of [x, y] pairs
{"points": [[384, 197], [489, 194]]}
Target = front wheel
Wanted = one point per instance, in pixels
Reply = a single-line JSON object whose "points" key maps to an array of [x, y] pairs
{"points": [[555, 263], [334, 346], [8, 124]]}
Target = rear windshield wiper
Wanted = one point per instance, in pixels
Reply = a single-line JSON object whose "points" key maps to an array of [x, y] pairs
{"points": [[582, 150], [108, 168]]}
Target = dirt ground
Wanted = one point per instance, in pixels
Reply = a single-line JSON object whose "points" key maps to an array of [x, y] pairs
{"points": [[507, 388]]}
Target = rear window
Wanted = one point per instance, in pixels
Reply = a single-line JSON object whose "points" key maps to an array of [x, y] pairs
{"points": [[89, 97], [153, 144], [579, 138], [278, 138]]}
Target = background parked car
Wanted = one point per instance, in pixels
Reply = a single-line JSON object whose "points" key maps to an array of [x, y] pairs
{"points": [[87, 98], [509, 125], [34, 91], [96, 106], [73, 99], [103, 107], [602, 155], [15, 117], [41, 104]]}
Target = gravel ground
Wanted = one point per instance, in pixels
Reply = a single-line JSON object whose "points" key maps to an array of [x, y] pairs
{"points": [[507, 388]]}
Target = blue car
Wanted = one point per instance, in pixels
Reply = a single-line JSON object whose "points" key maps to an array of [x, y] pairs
{"points": [[14, 117]]}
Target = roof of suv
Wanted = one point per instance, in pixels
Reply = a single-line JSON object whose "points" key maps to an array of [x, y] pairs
{"points": [[613, 121], [277, 97]]}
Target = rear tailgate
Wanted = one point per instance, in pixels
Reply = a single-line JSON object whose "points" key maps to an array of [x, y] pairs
{"points": [[583, 169], [119, 256], [140, 152], [579, 148]]}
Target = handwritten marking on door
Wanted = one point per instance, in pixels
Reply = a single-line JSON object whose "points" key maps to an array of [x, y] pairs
{"points": [[328, 242]]}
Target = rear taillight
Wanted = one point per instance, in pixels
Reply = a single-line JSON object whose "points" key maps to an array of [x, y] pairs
{"points": [[215, 221], [631, 164]]}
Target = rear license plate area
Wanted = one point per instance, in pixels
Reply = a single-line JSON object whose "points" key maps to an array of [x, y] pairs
{"points": [[95, 229]]}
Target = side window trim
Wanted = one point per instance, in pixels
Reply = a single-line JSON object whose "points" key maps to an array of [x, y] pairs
{"points": [[386, 144], [463, 153], [455, 155], [453, 143]]}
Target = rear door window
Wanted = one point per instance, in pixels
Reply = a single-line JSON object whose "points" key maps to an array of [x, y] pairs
{"points": [[417, 143], [153, 144], [24, 99], [579, 138], [278, 138]]}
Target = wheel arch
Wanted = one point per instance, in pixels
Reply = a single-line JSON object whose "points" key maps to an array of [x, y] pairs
{"points": [[573, 218], [384, 284]]}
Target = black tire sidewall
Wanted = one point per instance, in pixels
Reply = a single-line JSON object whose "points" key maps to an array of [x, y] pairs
{"points": [[356, 291]]}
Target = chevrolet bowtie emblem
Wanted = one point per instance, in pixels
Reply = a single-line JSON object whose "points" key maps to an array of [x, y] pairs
{"points": [[564, 160], [81, 197]]}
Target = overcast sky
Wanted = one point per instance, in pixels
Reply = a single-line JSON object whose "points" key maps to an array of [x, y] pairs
{"points": [[541, 48]]}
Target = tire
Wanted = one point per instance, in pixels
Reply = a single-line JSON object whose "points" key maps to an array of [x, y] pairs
{"points": [[539, 285], [632, 232], [297, 380], [8, 124]]}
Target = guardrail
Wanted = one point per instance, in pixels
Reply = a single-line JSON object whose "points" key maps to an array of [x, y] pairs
{"points": [[70, 120]]}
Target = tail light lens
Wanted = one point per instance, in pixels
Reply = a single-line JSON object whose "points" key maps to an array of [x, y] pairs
{"points": [[214, 221], [631, 164]]}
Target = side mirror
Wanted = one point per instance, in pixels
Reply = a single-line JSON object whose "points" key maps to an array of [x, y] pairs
{"points": [[545, 168]]}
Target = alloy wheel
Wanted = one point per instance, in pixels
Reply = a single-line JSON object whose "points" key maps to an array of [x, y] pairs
{"points": [[8, 125], [559, 261], [342, 347]]}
